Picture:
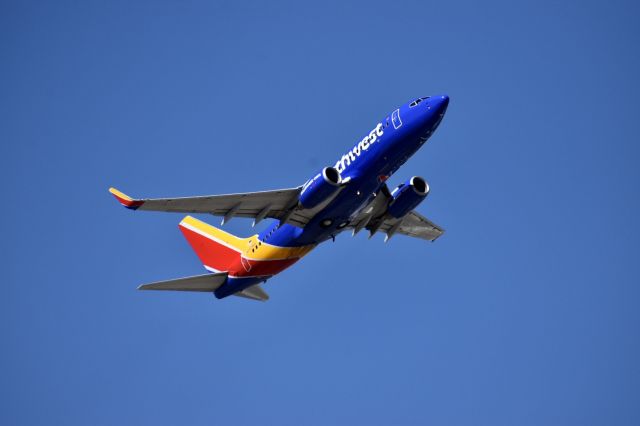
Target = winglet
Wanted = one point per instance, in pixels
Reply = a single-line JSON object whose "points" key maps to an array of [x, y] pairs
{"points": [[125, 200]]}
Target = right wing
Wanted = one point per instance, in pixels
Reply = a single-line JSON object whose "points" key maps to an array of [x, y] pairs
{"points": [[280, 204]]}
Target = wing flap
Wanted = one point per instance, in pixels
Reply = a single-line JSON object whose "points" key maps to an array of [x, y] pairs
{"points": [[202, 283]]}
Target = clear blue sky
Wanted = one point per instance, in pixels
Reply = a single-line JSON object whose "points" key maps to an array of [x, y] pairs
{"points": [[524, 313]]}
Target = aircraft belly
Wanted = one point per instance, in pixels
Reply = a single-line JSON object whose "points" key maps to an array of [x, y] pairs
{"points": [[249, 267], [339, 212]]}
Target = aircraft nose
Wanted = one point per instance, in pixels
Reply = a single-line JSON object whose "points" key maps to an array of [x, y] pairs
{"points": [[440, 103]]}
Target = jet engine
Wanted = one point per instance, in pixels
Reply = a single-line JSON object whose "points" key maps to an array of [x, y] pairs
{"points": [[407, 196], [323, 185]]}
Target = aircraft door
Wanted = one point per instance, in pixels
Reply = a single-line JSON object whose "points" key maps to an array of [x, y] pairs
{"points": [[395, 119], [250, 248], [245, 263]]}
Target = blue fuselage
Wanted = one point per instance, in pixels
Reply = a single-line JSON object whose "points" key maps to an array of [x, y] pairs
{"points": [[365, 168], [367, 165]]}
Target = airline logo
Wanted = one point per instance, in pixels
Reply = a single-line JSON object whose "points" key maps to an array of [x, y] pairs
{"points": [[357, 150]]}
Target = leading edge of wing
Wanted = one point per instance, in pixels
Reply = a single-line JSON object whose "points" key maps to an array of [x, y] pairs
{"points": [[258, 205]]}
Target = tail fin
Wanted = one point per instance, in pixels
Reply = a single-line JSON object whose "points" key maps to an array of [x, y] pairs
{"points": [[218, 250]]}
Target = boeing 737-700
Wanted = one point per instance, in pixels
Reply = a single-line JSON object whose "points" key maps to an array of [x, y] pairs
{"points": [[351, 195]]}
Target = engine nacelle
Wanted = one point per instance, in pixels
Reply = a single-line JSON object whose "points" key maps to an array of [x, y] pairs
{"points": [[320, 188], [407, 196]]}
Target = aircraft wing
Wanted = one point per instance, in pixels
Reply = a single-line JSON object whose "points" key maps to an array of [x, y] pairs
{"points": [[279, 204], [412, 225], [374, 218]]}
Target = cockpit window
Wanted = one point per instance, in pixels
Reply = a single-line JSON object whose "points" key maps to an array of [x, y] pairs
{"points": [[417, 101]]}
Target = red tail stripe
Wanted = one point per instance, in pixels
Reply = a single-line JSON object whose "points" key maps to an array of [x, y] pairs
{"points": [[211, 253]]}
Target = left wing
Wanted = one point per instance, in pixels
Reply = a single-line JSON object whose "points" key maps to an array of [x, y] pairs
{"points": [[412, 225], [374, 218], [280, 204]]}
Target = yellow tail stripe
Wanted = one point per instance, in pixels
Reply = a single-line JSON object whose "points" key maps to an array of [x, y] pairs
{"points": [[229, 239], [263, 251]]}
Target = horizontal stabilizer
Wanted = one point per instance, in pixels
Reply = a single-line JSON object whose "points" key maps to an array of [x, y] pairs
{"points": [[204, 283], [254, 292]]}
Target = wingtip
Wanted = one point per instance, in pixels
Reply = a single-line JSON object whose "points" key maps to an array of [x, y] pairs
{"points": [[125, 200]]}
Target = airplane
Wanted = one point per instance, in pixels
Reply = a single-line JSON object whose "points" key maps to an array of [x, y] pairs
{"points": [[351, 195]]}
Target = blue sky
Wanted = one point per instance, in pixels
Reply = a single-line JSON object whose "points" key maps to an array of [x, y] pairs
{"points": [[525, 312]]}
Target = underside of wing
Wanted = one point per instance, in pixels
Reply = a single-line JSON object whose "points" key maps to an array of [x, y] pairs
{"points": [[413, 225], [374, 218], [279, 204]]}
